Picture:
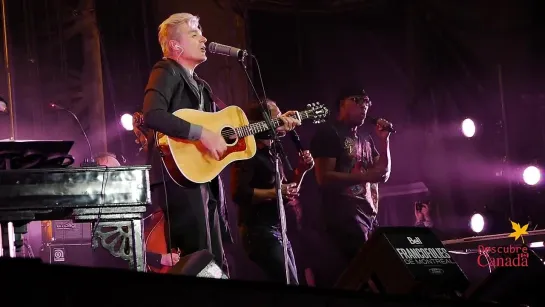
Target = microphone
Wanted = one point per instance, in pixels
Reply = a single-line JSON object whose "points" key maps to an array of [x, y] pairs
{"points": [[296, 140], [374, 121], [86, 162], [227, 50]]}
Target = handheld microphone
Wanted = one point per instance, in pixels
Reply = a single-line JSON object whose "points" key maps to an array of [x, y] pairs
{"points": [[227, 50], [296, 140], [374, 121], [86, 162]]}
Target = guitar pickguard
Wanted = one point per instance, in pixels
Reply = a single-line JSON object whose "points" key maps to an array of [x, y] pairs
{"points": [[239, 146]]}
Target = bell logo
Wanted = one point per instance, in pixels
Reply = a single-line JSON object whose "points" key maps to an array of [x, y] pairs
{"points": [[414, 241]]}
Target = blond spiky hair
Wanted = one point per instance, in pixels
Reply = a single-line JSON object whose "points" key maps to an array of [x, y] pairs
{"points": [[169, 29]]}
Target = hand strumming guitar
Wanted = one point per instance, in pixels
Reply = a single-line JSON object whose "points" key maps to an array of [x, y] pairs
{"points": [[214, 143], [290, 191]]}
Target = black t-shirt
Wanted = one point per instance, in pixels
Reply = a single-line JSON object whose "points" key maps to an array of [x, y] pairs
{"points": [[247, 175], [352, 208]]}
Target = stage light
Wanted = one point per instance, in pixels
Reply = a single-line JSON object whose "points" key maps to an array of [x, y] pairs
{"points": [[126, 122], [477, 222], [536, 244], [531, 175], [468, 128]]}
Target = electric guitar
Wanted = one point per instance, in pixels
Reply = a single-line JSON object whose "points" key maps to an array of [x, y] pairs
{"points": [[188, 162]]}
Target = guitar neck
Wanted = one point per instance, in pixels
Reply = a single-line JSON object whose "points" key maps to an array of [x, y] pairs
{"points": [[261, 126]]}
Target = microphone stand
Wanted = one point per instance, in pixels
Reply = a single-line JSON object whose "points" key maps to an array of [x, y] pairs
{"points": [[88, 162], [277, 151]]}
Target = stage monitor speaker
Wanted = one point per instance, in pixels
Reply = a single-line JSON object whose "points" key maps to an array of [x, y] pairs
{"points": [[199, 264], [518, 284], [405, 260]]}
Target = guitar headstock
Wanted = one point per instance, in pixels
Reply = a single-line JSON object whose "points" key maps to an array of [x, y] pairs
{"points": [[317, 112]]}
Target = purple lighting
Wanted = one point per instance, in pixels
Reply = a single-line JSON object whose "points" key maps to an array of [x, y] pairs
{"points": [[126, 121], [468, 128], [531, 175]]}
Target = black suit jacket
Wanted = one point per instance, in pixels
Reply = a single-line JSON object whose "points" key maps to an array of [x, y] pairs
{"points": [[168, 90]]}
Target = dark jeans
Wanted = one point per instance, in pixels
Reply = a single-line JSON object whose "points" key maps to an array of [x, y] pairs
{"points": [[263, 245], [192, 214], [347, 242]]}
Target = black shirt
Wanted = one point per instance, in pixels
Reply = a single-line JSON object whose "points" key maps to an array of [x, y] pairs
{"points": [[352, 208], [247, 175]]}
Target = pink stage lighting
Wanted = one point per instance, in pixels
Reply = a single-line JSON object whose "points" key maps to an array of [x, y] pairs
{"points": [[531, 175], [468, 128], [126, 121], [477, 223]]}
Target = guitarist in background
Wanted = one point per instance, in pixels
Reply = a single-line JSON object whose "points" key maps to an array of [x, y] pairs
{"points": [[196, 217], [253, 190]]}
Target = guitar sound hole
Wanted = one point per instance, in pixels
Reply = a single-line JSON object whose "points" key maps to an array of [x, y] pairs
{"points": [[229, 135]]}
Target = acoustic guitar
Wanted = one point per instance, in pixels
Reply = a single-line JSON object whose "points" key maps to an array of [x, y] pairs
{"points": [[188, 162]]}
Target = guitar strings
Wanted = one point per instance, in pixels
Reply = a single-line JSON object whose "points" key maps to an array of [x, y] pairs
{"points": [[236, 131]]}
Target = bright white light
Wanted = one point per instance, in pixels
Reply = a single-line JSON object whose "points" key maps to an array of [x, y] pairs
{"points": [[477, 223], [126, 121], [536, 244], [531, 175], [468, 128]]}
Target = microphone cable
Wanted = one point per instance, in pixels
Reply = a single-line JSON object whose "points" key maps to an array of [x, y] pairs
{"points": [[260, 77]]}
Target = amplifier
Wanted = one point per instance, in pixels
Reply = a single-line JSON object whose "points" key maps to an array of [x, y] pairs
{"points": [[80, 254], [66, 231]]}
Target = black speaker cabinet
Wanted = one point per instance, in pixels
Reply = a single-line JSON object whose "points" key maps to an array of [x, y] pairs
{"points": [[405, 260], [79, 254]]}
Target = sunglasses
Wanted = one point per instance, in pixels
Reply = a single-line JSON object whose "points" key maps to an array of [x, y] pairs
{"points": [[360, 100]]}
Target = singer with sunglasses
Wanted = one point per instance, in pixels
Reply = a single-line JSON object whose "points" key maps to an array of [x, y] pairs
{"points": [[253, 191], [349, 168]]}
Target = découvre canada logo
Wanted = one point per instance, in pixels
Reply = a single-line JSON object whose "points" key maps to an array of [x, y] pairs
{"points": [[506, 256]]}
